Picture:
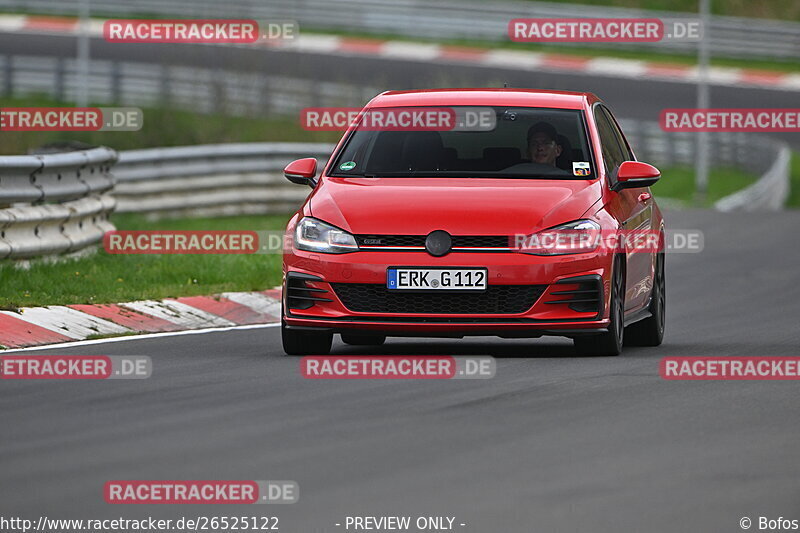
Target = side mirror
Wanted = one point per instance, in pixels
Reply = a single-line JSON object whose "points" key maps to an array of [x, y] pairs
{"points": [[302, 171], [635, 174]]}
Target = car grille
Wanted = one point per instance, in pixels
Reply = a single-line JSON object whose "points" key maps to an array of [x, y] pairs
{"points": [[459, 241], [496, 299]]}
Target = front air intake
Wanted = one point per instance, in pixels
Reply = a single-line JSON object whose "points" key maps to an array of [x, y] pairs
{"points": [[299, 295], [586, 297]]}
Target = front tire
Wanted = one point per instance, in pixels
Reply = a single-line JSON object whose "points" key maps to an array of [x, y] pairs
{"points": [[650, 331], [303, 342], [609, 343]]}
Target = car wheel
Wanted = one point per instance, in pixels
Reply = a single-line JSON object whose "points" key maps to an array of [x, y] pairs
{"points": [[609, 343], [302, 342], [650, 331], [354, 339]]}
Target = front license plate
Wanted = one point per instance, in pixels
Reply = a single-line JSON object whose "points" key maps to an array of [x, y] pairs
{"points": [[423, 279]]}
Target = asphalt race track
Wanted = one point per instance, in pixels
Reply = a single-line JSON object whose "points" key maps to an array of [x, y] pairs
{"points": [[553, 443]]}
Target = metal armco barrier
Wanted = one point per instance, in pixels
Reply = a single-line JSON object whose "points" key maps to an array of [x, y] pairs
{"points": [[446, 19], [212, 179], [197, 89], [248, 178], [54, 203], [756, 154], [60, 203], [768, 193]]}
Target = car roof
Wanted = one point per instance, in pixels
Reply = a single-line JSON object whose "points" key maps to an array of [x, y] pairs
{"points": [[488, 96]]}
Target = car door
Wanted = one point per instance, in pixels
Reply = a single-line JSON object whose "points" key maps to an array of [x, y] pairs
{"points": [[634, 208]]}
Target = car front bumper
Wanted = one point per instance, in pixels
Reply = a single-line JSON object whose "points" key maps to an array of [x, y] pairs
{"points": [[311, 300]]}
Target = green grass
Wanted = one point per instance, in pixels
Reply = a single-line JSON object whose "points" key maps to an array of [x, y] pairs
{"points": [[107, 278], [165, 127], [678, 183]]}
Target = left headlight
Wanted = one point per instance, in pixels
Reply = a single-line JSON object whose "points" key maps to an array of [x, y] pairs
{"points": [[314, 235]]}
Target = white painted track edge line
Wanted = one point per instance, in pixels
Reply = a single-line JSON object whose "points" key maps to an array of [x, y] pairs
{"points": [[60, 345]]}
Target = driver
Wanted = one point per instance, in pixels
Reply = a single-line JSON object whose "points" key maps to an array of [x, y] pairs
{"points": [[543, 147]]}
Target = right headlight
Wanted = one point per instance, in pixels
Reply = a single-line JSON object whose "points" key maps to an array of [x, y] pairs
{"points": [[576, 237], [314, 235]]}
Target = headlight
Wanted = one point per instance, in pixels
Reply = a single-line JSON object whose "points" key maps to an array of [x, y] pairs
{"points": [[576, 237], [314, 235]]}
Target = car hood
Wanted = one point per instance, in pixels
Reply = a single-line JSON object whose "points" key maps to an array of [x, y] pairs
{"points": [[474, 206]]}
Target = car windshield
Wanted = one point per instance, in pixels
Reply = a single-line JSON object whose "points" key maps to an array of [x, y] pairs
{"points": [[517, 142]]}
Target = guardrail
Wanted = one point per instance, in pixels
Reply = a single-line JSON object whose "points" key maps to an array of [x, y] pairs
{"points": [[447, 19], [51, 204], [770, 192], [212, 179], [54, 203], [751, 153], [248, 178], [200, 90]]}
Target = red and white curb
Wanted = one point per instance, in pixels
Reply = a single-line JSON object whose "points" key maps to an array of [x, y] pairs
{"points": [[36, 326], [425, 52], [545, 62]]}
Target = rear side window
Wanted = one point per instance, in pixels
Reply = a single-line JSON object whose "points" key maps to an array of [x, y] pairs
{"points": [[613, 152], [623, 142]]}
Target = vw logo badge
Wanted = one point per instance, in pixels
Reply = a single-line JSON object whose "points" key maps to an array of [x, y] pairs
{"points": [[438, 243]]}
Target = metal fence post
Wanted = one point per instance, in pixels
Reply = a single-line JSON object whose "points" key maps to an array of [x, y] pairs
{"points": [[703, 58]]}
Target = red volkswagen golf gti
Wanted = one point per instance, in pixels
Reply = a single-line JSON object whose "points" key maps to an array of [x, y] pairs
{"points": [[476, 212]]}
